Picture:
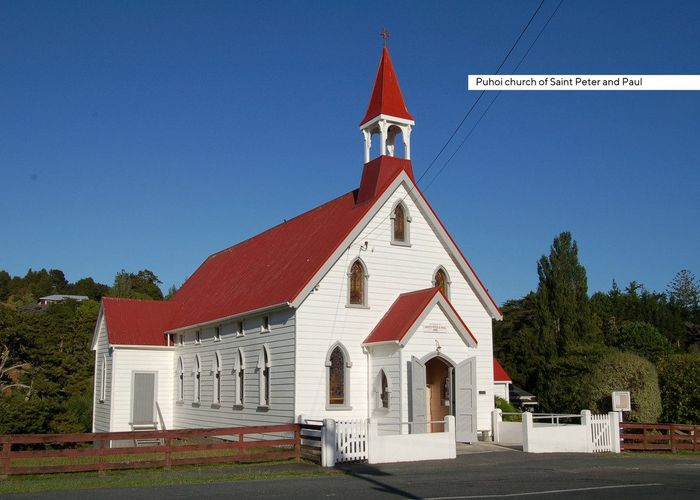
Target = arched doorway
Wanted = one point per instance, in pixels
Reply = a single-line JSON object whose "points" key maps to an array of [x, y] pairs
{"points": [[438, 391]]}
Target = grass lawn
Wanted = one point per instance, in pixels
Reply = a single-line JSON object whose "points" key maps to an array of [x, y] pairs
{"points": [[189, 474]]}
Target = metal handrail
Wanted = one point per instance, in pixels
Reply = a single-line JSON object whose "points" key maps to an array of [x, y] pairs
{"points": [[411, 423]]}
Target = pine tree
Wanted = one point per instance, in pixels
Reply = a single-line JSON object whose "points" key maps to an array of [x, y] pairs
{"points": [[684, 290]]}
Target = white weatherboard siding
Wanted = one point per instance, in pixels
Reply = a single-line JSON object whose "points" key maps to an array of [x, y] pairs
{"points": [[388, 358], [500, 389], [206, 413], [125, 362], [452, 346], [102, 409], [323, 317]]}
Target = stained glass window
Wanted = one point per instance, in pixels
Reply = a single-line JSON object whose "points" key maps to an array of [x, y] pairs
{"points": [[399, 223], [357, 283], [441, 281], [336, 378]]}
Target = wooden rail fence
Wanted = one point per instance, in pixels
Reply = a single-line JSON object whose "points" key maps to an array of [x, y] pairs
{"points": [[659, 437], [48, 453]]}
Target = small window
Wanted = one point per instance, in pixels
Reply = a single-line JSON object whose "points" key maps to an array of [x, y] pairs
{"points": [[400, 224], [239, 329], [217, 334], [103, 379], [264, 370], [357, 284], [197, 337], [337, 377], [180, 379], [265, 324], [239, 373], [442, 282], [181, 339], [217, 379], [196, 379]]}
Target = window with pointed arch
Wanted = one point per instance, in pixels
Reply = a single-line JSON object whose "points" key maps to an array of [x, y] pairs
{"points": [[357, 284], [196, 379], [180, 380], [400, 225], [216, 400], [338, 378], [264, 370], [383, 390], [441, 281], [239, 373]]}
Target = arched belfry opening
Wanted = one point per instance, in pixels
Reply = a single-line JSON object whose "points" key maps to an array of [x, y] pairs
{"points": [[387, 124]]}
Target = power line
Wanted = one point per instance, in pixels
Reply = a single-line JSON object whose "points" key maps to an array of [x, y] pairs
{"points": [[494, 99], [459, 126]]}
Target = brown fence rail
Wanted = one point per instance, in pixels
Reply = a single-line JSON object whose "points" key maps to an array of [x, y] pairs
{"points": [[100, 451], [659, 437]]}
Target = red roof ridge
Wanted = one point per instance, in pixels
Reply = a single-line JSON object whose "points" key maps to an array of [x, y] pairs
{"points": [[386, 98], [499, 373]]}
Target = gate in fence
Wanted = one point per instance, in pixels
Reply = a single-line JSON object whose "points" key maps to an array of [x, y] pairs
{"points": [[351, 440], [601, 433]]}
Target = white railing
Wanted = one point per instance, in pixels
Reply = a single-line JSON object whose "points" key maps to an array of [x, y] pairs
{"points": [[543, 433]]}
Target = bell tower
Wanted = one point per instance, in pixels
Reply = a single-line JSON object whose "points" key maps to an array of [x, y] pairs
{"points": [[387, 115]]}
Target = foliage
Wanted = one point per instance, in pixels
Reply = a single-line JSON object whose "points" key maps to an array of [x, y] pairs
{"points": [[684, 290], [506, 407], [563, 311], [679, 379], [642, 338], [624, 371], [142, 285]]}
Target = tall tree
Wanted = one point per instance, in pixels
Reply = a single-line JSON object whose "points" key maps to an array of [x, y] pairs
{"points": [[564, 314], [684, 290]]}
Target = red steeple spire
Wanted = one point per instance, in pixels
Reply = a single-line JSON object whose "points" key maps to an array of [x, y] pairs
{"points": [[386, 95]]}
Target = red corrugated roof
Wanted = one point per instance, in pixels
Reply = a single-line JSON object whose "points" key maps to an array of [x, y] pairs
{"points": [[499, 374], [136, 322], [386, 98], [404, 312]]}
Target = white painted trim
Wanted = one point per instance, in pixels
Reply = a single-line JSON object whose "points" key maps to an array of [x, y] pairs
{"points": [[383, 342], [96, 331], [241, 315], [380, 117], [143, 347], [455, 321]]}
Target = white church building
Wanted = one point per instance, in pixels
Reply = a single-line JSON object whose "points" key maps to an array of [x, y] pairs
{"points": [[363, 307]]}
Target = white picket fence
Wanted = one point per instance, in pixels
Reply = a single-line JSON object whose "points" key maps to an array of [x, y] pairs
{"points": [[351, 440]]}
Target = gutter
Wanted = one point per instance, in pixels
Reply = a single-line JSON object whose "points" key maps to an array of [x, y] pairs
{"points": [[227, 318]]}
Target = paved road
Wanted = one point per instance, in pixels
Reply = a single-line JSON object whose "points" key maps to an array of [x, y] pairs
{"points": [[505, 474]]}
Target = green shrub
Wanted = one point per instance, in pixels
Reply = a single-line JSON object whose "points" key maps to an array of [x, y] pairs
{"points": [[679, 379], [506, 407], [624, 371]]}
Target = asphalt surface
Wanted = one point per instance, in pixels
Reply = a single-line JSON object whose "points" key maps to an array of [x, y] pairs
{"points": [[480, 474]]}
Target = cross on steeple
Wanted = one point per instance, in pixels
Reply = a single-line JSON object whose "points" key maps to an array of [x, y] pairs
{"points": [[385, 35]]}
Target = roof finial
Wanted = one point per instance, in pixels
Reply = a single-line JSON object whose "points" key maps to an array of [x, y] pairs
{"points": [[385, 35]]}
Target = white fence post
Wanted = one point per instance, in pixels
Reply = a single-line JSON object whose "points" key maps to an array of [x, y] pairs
{"points": [[614, 431], [451, 429], [496, 418], [527, 432], [587, 422], [372, 441], [328, 443]]}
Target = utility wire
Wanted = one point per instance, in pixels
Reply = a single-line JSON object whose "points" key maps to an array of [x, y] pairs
{"points": [[459, 126], [544, 27]]}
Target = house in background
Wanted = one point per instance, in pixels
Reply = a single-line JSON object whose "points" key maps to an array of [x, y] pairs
{"points": [[501, 381], [361, 307], [51, 299]]}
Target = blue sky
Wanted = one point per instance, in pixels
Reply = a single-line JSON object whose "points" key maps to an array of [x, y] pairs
{"points": [[151, 134]]}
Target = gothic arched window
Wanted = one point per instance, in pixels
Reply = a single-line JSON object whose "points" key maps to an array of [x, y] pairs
{"points": [[400, 224], [338, 377], [442, 282], [180, 380], [357, 284]]}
